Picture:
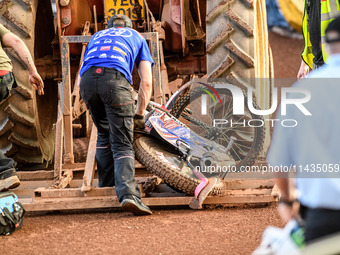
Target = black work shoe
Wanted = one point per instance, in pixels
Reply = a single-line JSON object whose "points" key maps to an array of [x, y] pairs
{"points": [[8, 180], [133, 204]]}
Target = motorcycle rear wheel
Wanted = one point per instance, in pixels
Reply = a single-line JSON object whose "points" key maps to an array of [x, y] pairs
{"points": [[161, 160]]}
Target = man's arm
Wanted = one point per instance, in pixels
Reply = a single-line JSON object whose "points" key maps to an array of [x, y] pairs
{"points": [[13, 41], [303, 71], [145, 87], [283, 185], [288, 209]]}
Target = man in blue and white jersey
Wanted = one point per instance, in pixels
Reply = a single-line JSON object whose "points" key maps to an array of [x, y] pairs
{"points": [[105, 86]]}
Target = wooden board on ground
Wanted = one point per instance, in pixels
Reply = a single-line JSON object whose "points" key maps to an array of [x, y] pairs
{"points": [[68, 203], [90, 166], [45, 199], [36, 194]]}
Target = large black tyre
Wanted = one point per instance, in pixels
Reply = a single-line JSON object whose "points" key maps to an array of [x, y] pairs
{"points": [[26, 119], [160, 160], [249, 143]]}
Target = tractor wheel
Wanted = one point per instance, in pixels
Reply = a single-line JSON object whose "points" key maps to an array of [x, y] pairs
{"points": [[237, 43], [26, 119], [162, 161]]}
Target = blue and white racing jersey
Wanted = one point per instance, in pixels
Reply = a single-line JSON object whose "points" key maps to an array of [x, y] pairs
{"points": [[117, 48]]}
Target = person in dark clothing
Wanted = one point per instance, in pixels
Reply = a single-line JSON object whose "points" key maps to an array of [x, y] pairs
{"points": [[312, 10], [105, 86], [314, 29], [8, 177]]}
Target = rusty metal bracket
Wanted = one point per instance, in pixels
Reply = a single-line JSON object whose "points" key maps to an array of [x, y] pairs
{"points": [[152, 37]]}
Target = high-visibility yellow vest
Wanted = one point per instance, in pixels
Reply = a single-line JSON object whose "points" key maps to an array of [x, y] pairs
{"points": [[329, 10]]}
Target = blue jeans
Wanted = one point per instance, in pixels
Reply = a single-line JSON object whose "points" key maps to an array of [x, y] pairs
{"points": [[108, 96], [7, 82], [6, 163]]}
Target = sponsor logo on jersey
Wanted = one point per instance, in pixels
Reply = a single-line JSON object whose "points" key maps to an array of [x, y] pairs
{"points": [[120, 50], [108, 41], [88, 58], [105, 48], [123, 45], [103, 55], [119, 58], [93, 50], [123, 32]]}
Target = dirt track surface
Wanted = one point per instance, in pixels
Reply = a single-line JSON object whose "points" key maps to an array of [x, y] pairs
{"points": [[170, 231], [286, 54], [184, 231]]}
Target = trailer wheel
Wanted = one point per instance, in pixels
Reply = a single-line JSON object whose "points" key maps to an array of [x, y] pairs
{"points": [[27, 133], [162, 161]]}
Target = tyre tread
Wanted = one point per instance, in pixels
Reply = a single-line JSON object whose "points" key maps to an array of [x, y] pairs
{"points": [[171, 176]]}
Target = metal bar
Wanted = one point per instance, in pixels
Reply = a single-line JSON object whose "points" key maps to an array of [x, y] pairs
{"points": [[76, 39], [157, 86]]}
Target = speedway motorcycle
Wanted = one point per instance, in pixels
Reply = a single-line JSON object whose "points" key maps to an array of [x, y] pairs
{"points": [[185, 146]]}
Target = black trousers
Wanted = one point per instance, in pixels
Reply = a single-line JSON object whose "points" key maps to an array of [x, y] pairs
{"points": [[320, 222], [108, 96]]}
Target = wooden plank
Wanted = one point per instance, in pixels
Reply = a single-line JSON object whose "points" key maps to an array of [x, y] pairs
{"points": [[75, 183], [142, 172], [112, 201], [76, 192], [41, 193], [138, 165], [275, 191], [34, 184], [156, 71], [67, 107], [248, 184], [90, 161], [58, 154], [74, 166], [48, 175], [248, 192], [35, 175], [26, 200], [72, 203], [24, 193], [65, 180], [73, 192]]}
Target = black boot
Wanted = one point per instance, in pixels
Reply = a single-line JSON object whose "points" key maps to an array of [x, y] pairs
{"points": [[133, 204]]}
